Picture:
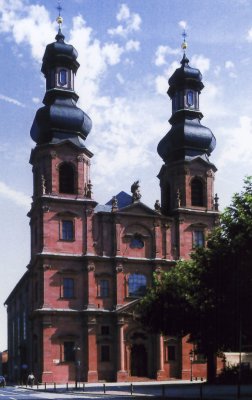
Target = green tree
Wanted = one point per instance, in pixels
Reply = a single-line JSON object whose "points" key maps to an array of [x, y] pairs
{"points": [[209, 296]]}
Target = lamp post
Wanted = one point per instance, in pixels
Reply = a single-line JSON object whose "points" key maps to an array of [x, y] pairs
{"points": [[77, 365], [191, 364]]}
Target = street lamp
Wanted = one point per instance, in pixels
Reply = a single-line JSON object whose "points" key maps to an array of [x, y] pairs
{"points": [[77, 365], [191, 363]]}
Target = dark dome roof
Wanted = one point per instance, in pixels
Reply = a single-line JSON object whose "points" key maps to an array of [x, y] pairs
{"points": [[186, 140], [185, 76], [61, 53], [62, 117]]}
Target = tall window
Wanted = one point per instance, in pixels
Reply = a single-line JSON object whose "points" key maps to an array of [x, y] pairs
{"points": [[197, 192], [198, 239], [105, 353], [68, 288], [67, 230], [189, 98], [63, 77], [137, 285], [69, 354], [66, 178], [103, 288]]}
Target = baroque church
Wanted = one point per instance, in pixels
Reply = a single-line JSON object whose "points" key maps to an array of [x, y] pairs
{"points": [[71, 317]]}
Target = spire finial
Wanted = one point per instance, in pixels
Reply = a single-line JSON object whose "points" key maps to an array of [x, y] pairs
{"points": [[184, 43], [184, 47], [59, 19], [59, 37]]}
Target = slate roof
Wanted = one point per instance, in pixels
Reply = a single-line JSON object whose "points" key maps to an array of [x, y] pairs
{"points": [[123, 200]]}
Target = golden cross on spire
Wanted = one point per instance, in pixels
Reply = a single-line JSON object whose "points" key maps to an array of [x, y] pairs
{"points": [[184, 43], [59, 19]]}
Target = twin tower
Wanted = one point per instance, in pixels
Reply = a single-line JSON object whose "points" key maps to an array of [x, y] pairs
{"points": [[71, 316]]}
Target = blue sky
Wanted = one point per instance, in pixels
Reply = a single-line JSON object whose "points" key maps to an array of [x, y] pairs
{"points": [[127, 51]]}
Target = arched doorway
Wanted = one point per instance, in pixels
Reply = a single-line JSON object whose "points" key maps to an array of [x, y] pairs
{"points": [[138, 360]]}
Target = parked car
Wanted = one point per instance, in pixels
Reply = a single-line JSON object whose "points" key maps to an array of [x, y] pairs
{"points": [[2, 381]]}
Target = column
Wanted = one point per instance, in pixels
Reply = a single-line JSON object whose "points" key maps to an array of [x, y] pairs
{"points": [[158, 245], [89, 232], [92, 375], [117, 238], [120, 285], [166, 241], [122, 375], [160, 358], [92, 286]]}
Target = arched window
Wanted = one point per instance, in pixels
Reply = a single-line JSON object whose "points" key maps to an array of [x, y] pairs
{"points": [[63, 77], [190, 98], [137, 285], [197, 192], [66, 178], [137, 242]]}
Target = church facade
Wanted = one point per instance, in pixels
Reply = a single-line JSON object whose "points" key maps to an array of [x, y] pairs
{"points": [[71, 316]]}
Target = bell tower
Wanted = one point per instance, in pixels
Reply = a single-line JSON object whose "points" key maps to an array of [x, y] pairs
{"points": [[62, 189], [187, 176]]}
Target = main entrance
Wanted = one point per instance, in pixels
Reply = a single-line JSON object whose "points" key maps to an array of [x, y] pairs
{"points": [[138, 360]]}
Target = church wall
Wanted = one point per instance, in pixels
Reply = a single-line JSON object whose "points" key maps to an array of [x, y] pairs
{"points": [[89, 268]]}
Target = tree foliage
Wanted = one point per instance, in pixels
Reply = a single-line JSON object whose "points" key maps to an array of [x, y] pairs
{"points": [[210, 295]]}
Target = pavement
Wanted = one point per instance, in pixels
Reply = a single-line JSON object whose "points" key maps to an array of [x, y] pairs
{"points": [[159, 390]]}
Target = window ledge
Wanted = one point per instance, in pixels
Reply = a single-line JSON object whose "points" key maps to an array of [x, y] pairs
{"points": [[66, 240]]}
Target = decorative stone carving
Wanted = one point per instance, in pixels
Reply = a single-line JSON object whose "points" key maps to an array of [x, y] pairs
{"points": [[119, 268], [210, 174], [158, 269], [43, 184], [178, 198], [91, 267], [47, 267], [81, 158], [91, 320], [53, 154], [166, 226], [45, 208], [89, 211]]}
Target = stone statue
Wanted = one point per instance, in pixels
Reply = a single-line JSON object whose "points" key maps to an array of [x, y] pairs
{"points": [[136, 195], [114, 204], [157, 206]]}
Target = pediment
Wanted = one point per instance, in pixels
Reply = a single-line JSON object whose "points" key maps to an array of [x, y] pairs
{"points": [[138, 208], [128, 308]]}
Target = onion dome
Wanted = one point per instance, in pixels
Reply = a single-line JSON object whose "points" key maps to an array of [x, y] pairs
{"points": [[60, 119], [185, 76], [187, 138]]}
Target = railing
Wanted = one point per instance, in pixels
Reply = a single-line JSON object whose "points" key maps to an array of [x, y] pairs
{"points": [[127, 389]]}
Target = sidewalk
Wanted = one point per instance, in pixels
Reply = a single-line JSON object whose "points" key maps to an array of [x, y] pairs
{"points": [[167, 389]]}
